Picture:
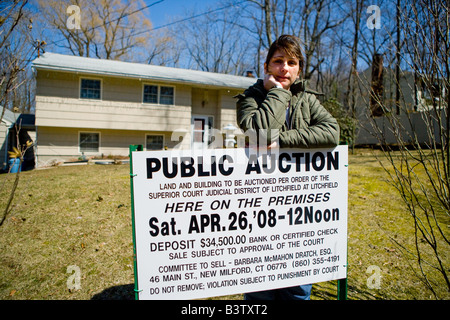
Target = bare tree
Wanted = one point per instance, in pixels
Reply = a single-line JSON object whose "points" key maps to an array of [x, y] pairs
{"points": [[318, 20], [350, 98], [212, 42], [311, 21], [419, 166], [108, 29], [376, 40], [16, 51], [163, 50]]}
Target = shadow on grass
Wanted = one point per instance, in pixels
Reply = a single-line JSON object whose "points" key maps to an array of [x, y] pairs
{"points": [[328, 291], [122, 292]]}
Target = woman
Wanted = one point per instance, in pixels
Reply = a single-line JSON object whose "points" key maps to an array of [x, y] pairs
{"points": [[290, 116], [282, 106]]}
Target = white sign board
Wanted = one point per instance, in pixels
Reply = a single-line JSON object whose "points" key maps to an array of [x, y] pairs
{"points": [[229, 221]]}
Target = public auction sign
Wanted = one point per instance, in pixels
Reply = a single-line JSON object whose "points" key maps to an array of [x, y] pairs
{"points": [[227, 221]]}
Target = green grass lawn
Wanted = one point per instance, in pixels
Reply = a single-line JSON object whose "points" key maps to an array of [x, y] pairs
{"points": [[81, 216]]}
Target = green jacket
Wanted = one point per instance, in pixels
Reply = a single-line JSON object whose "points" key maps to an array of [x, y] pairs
{"points": [[311, 125]]}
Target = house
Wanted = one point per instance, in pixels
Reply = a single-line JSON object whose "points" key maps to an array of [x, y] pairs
{"points": [[8, 118], [89, 107], [15, 126], [414, 120]]}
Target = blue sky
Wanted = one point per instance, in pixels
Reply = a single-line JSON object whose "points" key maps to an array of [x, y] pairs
{"points": [[162, 13]]}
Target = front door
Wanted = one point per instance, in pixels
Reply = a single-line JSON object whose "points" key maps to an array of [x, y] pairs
{"points": [[201, 127]]}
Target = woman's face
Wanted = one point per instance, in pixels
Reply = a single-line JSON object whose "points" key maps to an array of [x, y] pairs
{"points": [[284, 68]]}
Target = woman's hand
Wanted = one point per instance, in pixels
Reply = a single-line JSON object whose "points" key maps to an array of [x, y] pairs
{"points": [[270, 82]]}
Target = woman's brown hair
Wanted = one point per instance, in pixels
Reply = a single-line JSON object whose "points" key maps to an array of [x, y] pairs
{"points": [[289, 44]]}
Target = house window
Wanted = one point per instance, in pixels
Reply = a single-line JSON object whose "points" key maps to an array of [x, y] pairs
{"points": [[158, 94], [150, 94], [89, 141], [154, 142], [166, 96], [90, 89]]}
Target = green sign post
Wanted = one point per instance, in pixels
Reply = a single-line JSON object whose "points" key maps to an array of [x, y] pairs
{"points": [[132, 149]]}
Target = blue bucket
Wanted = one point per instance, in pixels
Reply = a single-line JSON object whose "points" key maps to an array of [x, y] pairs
{"points": [[14, 164]]}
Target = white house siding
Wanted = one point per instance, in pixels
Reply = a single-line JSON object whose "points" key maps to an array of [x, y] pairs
{"points": [[58, 105], [64, 112], [58, 144], [120, 116], [415, 127], [227, 109]]}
